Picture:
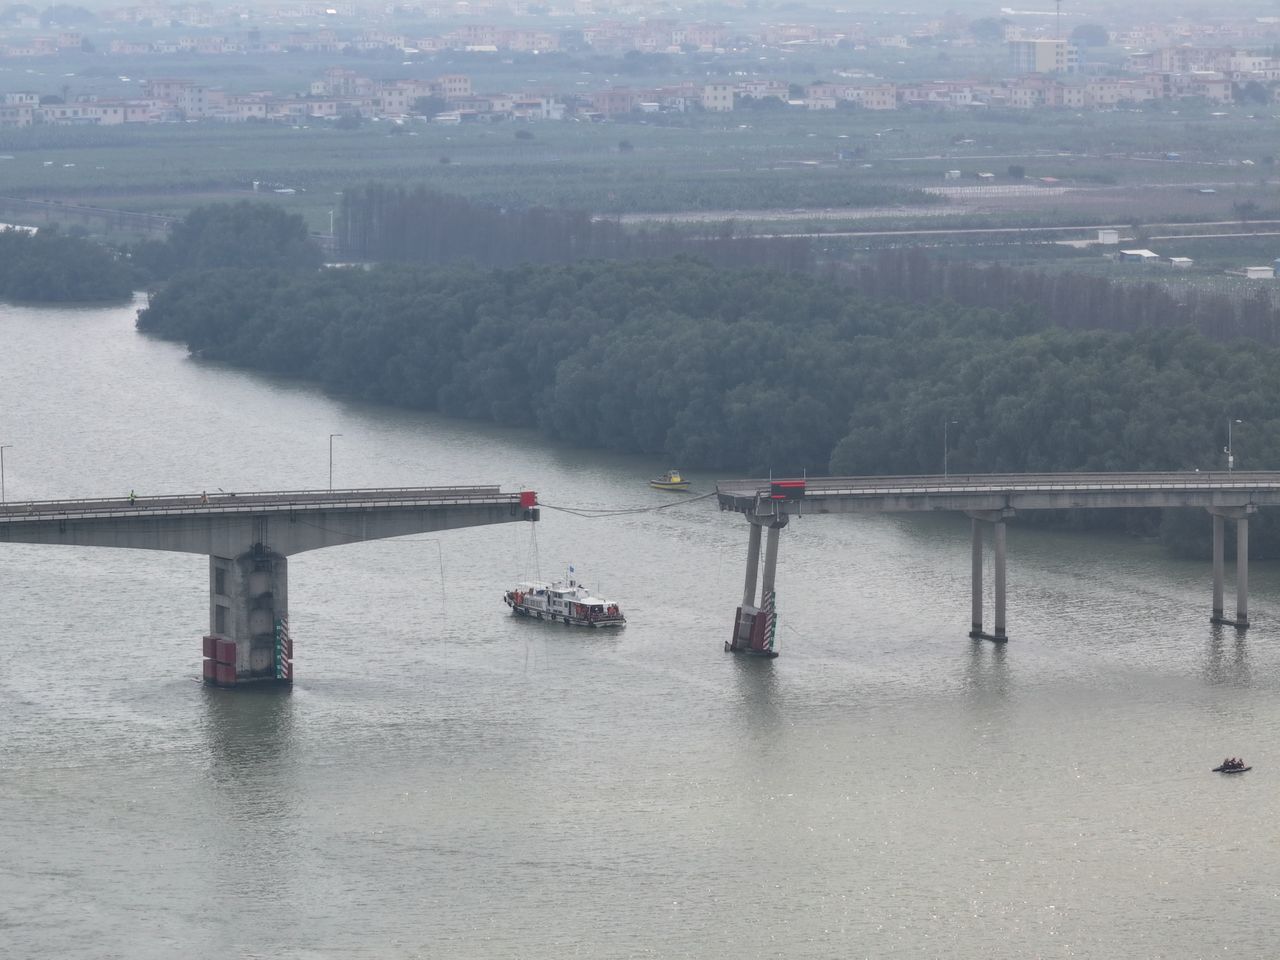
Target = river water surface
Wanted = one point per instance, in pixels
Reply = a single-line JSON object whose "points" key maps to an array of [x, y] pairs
{"points": [[444, 780]]}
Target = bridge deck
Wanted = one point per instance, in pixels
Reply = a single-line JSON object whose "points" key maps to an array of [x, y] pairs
{"points": [[196, 504], [1003, 491]]}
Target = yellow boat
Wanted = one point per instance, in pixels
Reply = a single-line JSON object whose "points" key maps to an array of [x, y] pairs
{"points": [[671, 480]]}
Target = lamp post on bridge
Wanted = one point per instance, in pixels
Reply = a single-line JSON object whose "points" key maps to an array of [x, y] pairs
{"points": [[1231, 457], [331, 436], [946, 449], [3, 448]]}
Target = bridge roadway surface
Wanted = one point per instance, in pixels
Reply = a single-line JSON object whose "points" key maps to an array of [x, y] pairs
{"points": [[222, 502], [288, 521], [1011, 492]]}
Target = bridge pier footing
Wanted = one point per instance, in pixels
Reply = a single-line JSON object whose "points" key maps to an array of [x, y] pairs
{"points": [[1241, 516], [248, 638], [755, 625]]}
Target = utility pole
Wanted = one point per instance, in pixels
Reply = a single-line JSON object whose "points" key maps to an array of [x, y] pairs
{"points": [[3, 448], [331, 436]]}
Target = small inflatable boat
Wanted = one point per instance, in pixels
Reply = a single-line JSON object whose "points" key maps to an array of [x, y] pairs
{"points": [[1231, 769]]}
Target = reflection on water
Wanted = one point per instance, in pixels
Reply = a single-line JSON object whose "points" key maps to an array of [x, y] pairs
{"points": [[1227, 656], [247, 729], [758, 689], [987, 681]]}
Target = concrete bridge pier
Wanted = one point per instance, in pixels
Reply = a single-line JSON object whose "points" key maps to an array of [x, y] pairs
{"points": [[755, 624], [981, 519], [248, 638], [1241, 516]]}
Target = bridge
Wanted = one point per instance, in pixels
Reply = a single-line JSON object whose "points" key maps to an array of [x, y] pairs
{"points": [[989, 500], [248, 538]]}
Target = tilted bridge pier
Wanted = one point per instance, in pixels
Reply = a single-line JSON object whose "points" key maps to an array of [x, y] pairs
{"points": [[248, 538], [989, 500]]}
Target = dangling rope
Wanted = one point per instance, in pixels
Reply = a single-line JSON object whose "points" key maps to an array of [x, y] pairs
{"points": [[531, 559], [594, 514]]}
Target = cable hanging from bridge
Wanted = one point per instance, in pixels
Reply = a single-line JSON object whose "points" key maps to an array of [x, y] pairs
{"points": [[590, 513]]}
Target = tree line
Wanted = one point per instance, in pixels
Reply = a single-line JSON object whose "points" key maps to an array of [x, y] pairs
{"points": [[384, 223], [387, 223], [52, 267], [219, 235], [1065, 299]]}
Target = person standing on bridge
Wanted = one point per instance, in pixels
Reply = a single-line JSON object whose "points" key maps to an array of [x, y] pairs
{"points": [[133, 498], [204, 496]]}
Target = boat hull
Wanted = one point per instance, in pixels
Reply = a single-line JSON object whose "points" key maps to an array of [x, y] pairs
{"points": [[569, 620], [1232, 770], [679, 487]]}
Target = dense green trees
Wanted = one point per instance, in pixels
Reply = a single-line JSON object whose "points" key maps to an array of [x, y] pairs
{"points": [[240, 234], [49, 266], [740, 368], [391, 223]]}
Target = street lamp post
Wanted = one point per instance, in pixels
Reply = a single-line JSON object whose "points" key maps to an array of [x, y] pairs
{"points": [[3, 448], [1231, 457], [331, 436], [946, 424]]}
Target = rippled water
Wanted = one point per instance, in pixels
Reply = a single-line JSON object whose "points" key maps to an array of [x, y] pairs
{"points": [[447, 781]]}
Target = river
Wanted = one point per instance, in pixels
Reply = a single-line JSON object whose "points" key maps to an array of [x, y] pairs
{"points": [[445, 780]]}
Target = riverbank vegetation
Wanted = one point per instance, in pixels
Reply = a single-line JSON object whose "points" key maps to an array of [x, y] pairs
{"points": [[52, 267], [221, 235], [680, 358]]}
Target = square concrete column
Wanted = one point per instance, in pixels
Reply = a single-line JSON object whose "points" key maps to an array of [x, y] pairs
{"points": [[1218, 563], [753, 566], [976, 577], [1242, 572], [1241, 516], [998, 630], [248, 600], [770, 564], [754, 625]]}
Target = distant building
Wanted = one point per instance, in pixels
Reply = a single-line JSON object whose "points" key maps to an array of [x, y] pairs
{"points": [[1043, 56], [613, 101], [1139, 256], [718, 97], [1109, 237]]}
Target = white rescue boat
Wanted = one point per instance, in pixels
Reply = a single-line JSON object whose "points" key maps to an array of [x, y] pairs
{"points": [[564, 601]]}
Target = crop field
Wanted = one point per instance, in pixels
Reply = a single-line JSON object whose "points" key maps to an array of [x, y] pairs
{"points": [[843, 167]]}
